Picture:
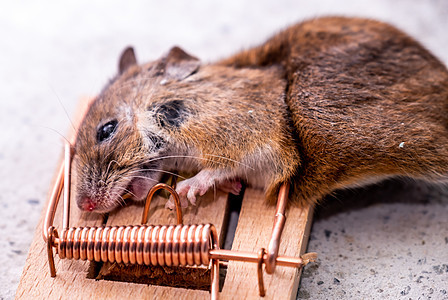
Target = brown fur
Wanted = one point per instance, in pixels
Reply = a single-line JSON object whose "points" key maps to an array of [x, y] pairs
{"points": [[326, 104], [357, 89]]}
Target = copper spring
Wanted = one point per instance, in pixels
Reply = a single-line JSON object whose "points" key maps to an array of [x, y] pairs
{"points": [[175, 245]]}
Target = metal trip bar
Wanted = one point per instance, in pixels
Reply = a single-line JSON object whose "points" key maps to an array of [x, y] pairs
{"points": [[251, 257]]}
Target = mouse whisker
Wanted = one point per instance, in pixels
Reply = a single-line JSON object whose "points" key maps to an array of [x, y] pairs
{"points": [[126, 190], [63, 107], [156, 170], [122, 200], [54, 130], [142, 177], [182, 156], [118, 198], [229, 159], [200, 158], [108, 166]]}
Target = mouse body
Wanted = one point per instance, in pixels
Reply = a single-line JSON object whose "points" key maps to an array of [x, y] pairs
{"points": [[326, 104]]}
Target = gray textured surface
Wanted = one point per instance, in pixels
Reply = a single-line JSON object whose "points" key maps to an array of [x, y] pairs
{"points": [[54, 52], [388, 241]]}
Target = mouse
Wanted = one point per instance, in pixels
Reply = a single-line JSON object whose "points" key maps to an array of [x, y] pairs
{"points": [[329, 103]]}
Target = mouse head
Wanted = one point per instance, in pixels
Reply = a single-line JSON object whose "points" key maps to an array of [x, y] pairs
{"points": [[115, 153]]}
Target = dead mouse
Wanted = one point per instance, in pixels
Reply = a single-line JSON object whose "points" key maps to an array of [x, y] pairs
{"points": [[326, 104]]}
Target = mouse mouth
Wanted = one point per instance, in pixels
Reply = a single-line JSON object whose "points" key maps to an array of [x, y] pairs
{"points": [[137, 189]]}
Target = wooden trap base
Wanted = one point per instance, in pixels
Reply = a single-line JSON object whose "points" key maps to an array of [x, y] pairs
{"points": [[253, 231], [76, 279]]}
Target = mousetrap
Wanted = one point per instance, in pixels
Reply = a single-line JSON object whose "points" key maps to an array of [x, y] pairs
{"points": [[180, 255]]}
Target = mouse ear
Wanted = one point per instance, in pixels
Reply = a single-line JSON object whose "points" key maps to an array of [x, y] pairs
{"points": [[179, 64], [127, 59]]}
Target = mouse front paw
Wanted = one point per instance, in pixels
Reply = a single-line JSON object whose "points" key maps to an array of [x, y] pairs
{"points": [[189, 189], [199, 184]]}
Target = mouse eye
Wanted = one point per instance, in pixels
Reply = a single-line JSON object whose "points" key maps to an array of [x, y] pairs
{"points": [[106, 131]]}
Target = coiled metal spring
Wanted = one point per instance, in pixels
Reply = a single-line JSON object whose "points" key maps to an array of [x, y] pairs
{"points": [[181, 245]]}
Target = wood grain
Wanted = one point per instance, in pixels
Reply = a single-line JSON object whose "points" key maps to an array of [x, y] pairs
{"points": [[253, 232]]}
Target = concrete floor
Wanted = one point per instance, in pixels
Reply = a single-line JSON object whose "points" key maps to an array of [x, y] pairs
{"points": [[385, 242], [388, 241]]}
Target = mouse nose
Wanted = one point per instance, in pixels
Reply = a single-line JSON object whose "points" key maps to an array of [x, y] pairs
{"points": [[87, 204]]}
